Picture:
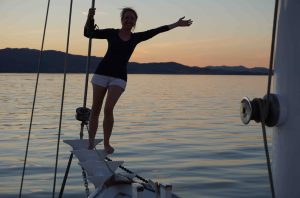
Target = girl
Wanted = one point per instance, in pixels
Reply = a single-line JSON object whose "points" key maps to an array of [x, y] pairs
{"points": [[111, 74]]}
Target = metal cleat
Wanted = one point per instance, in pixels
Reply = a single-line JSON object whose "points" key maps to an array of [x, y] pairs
{"points": [[137, 190], [165, 190]]}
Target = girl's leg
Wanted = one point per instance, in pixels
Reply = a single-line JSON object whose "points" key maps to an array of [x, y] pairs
{"points": [[98, 95], [113, 94]]}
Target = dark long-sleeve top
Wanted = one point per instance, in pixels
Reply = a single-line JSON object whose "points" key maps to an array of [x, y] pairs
{"points": [[118, 53]]}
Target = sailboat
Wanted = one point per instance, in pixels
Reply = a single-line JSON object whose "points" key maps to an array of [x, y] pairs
{"points": [[280, 111], [97, 168], [101, 170]]}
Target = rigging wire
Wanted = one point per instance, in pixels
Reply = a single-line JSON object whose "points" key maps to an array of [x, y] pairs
{"points": [[87, 75], [34, 99], [83, 122], [265, 107], [272, 48], [85, 101], [263, 125], [62, 97]]}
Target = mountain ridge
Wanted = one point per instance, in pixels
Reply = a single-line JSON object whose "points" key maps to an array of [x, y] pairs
{"points": [[25, 60]]}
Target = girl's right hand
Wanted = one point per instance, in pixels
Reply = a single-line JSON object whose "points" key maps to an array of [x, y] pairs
{"points": [[91, 12]]}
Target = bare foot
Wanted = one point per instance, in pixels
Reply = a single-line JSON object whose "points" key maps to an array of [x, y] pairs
{"points": [[91, 144], [109, 149]]}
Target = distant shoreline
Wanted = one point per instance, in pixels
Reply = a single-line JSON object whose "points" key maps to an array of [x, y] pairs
{"points": [[24, 60]]}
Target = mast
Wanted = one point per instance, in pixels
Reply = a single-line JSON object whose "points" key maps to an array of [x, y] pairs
{"points": [[286, 134], [282, 109]]}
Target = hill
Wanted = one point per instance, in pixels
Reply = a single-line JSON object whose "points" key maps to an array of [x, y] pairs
{"points": [[24, 60]]}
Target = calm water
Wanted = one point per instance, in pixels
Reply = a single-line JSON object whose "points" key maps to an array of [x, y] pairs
{"points": [[179, 129]]}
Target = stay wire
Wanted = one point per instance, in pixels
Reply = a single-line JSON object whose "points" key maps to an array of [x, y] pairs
{"points": [[34, 99], [266, 105], [87, 75], [271, 61], [263, 125], [88, 66], [84, 103], [63, 96]]}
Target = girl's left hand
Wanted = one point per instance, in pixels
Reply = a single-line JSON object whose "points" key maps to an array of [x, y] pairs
{"points": [[184, 23]]}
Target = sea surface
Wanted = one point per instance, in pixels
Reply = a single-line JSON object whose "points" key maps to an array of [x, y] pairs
{"points": [[179, 129]]}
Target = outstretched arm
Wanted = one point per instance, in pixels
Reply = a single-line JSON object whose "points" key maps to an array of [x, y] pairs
{"points": [[150, 33], [181, 23]]}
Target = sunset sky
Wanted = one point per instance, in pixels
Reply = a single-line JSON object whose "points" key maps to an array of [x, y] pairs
{"points": [[225, 32]]}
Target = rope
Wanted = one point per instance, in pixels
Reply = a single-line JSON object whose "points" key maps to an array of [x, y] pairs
{"points": [[62, 97], [34, 99], [265, 106]]}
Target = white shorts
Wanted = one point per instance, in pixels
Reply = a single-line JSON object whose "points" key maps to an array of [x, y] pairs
{"points": [[107, 81]]}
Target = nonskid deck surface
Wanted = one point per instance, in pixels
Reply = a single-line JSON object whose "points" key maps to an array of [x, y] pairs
{"points": [[109, 184]]}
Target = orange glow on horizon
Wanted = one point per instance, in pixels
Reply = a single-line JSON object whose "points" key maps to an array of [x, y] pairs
{"points": [[232, 35]]}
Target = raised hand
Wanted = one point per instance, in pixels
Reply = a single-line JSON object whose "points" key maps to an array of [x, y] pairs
{"points": [[184, 23], [91, 13]]}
